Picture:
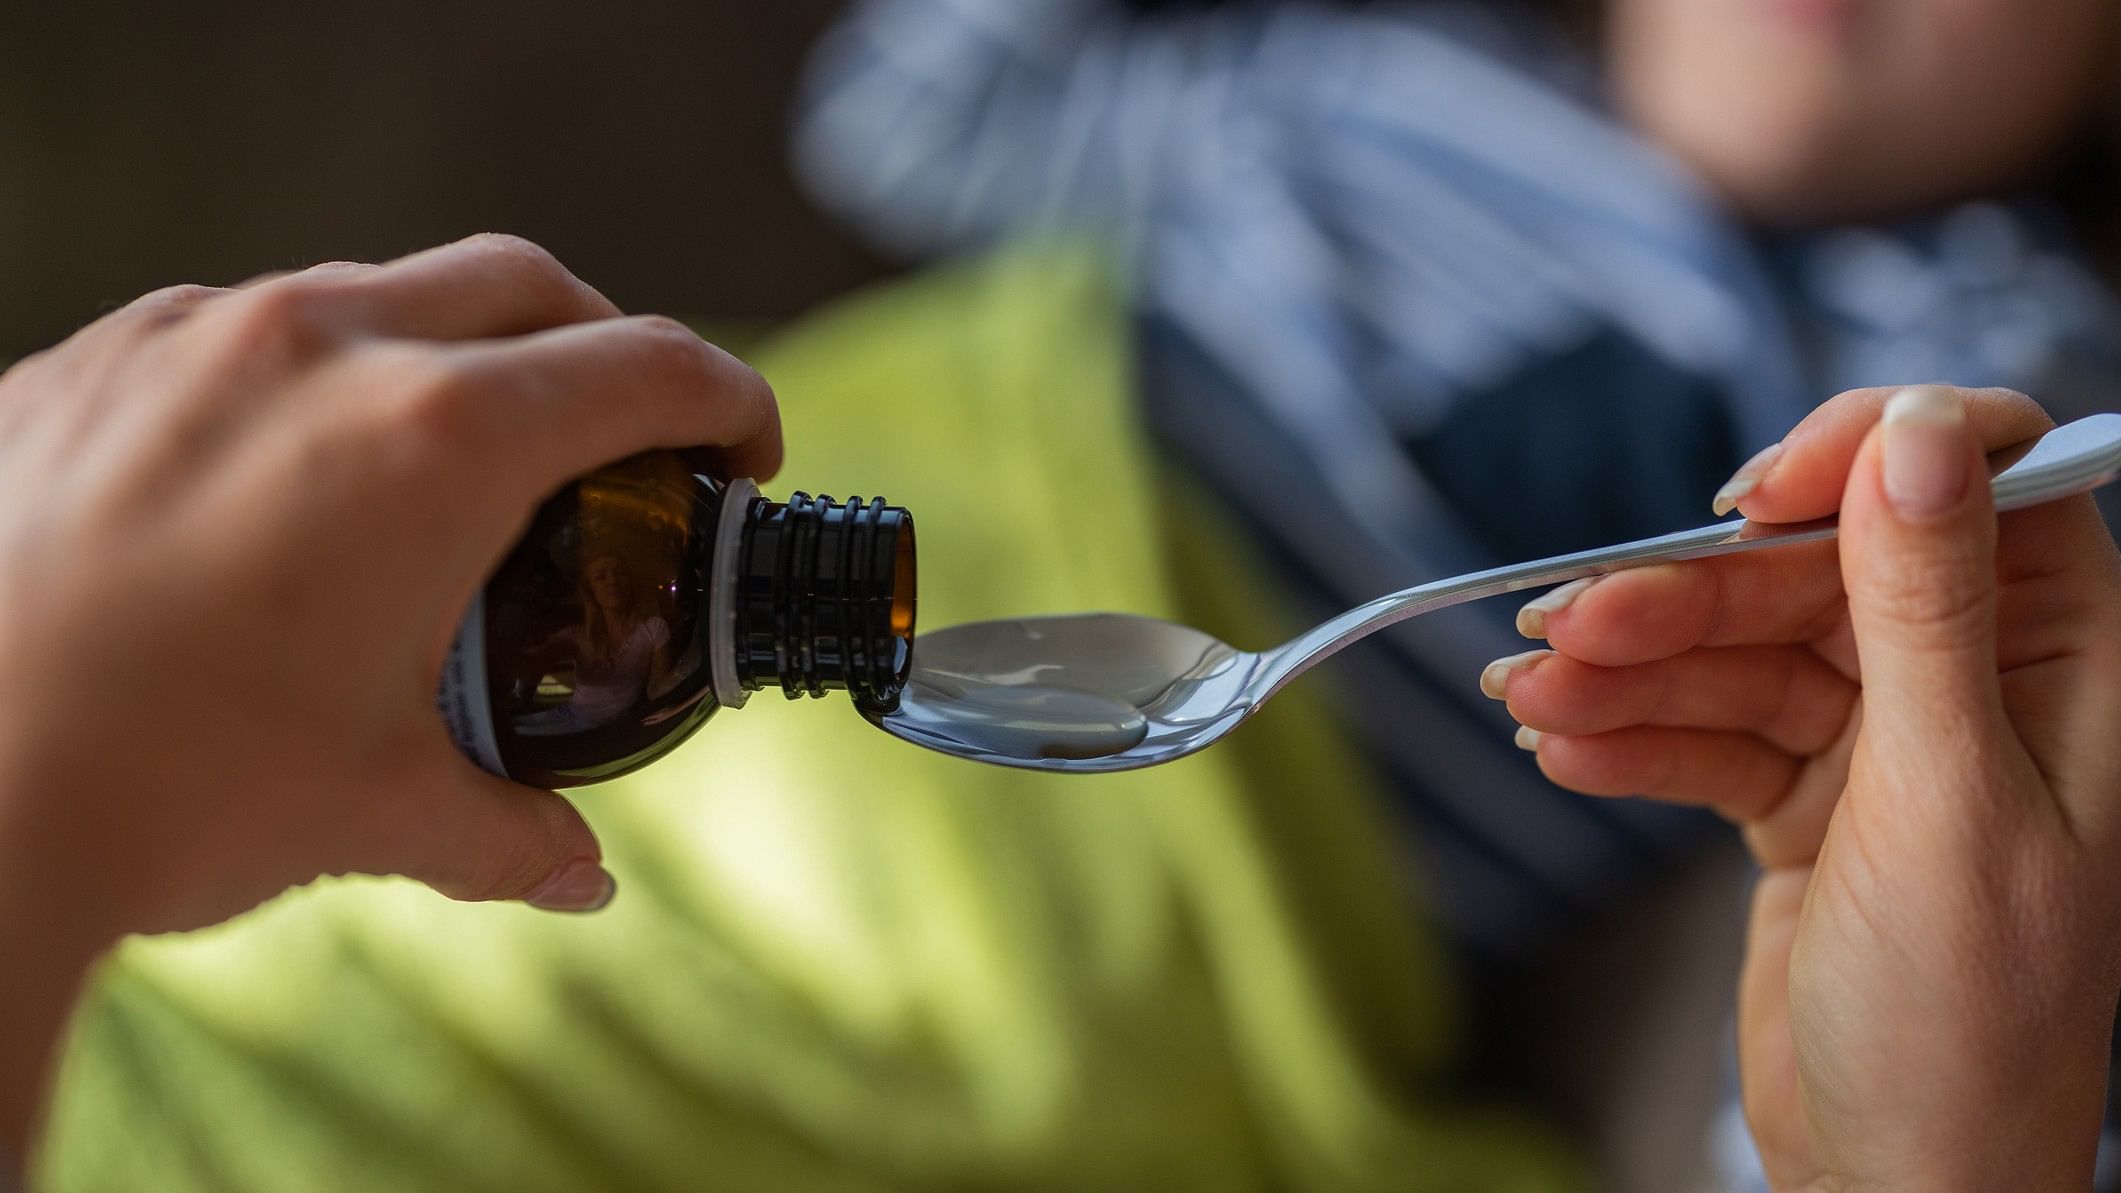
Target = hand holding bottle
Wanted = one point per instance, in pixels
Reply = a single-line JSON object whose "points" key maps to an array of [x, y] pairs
{"points": [[242, 527], [1926, 768]]}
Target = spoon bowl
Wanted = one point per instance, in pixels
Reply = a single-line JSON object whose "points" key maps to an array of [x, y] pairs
{"points": [[1099, 692], [1089, 692]]}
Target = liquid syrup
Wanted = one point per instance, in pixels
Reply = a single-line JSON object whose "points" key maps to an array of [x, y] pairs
{"points": [[1070, 688]]}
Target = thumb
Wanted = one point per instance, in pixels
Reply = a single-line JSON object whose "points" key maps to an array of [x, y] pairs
{"points": [[1918, 558], [482, 838]]}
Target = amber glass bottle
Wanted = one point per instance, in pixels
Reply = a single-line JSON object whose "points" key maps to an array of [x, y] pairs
{"points": [[648, 594]]}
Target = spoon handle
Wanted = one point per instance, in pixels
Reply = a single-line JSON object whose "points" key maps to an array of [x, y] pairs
{"points": [[2071, 459]]}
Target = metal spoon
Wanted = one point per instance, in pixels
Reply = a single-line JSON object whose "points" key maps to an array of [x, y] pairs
{"points": [[1109, 692]]}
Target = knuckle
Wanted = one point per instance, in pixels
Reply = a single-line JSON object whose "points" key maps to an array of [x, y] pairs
{"points": [[286, 318], [188, 294], [666, 328], [441, 403], [527, 264], [1781, 698], [513, 858], [1656, 692], [159, 308], [1662, 772], [504, 242], [674, 351], [424, 408], [510, 877], [1935, 595], [679, 344], [31, 366], [1864, 395], [518, 252]]}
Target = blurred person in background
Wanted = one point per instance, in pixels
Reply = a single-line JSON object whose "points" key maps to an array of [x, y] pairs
{"points": [[1422, 288]]}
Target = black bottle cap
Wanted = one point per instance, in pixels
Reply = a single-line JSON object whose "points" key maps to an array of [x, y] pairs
{"points": [[825, 595]]}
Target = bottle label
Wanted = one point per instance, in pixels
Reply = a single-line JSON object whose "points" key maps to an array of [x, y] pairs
{"points": [[462, 698]]}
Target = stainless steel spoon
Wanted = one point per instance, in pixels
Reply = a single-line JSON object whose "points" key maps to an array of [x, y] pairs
{"points": [[1109, 692]]}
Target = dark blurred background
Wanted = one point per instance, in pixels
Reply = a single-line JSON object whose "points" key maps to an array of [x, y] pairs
{"points": [[642, 140]]}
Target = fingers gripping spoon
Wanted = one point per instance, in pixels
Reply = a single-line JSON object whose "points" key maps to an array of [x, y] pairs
{"points": [[1110, 692]]}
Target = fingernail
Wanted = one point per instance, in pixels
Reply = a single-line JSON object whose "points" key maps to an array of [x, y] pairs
{"points": [[1925, 451], [1495, 677], [1532, 619], [1746, 479], [1528, 738], [580, 885]]}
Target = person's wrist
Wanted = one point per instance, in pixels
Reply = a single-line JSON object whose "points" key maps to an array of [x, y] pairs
{"points": [[72, 905], [58, 916], [2035, 1128]]}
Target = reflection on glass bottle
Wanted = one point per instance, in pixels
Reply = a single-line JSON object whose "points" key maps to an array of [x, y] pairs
{"points": [[648, 594], [619, 653]]}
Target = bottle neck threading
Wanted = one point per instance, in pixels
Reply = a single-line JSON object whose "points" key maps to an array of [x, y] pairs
{"points": [[824, 598]]}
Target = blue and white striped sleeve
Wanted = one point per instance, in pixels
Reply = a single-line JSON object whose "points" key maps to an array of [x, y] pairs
{"points": [[932, 125]]}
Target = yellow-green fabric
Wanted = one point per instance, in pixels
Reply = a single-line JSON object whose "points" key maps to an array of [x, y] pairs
{"points": [[837, 962]]}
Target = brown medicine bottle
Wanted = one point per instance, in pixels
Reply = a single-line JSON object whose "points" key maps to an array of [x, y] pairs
{"points": [[648, 594]]}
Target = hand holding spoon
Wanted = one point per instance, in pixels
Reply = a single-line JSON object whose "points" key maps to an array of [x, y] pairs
{"points": [[1109, 692]]}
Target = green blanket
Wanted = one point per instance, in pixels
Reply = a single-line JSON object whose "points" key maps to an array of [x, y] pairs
{"points": [[837, 962]]}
